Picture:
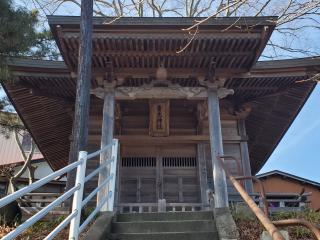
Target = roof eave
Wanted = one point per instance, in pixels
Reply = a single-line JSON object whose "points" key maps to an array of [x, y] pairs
{"points": [[132, 22]]}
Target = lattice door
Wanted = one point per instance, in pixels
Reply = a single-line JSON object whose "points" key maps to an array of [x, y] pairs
{"points": [[180, 180]]}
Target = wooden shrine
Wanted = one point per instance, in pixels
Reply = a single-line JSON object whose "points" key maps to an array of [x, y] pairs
{"points": [[169, 110]]}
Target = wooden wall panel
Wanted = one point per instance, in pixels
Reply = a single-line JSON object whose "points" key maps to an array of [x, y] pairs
{"points": [[174, 176], [179, 183]]}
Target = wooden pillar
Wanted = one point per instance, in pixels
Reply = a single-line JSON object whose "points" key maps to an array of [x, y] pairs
{"points": [[106, 138], [202, 171], [245, 156], [117, 188], [82, 103], [216, 146]]}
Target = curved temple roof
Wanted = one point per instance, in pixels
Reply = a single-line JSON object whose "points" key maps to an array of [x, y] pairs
{"points": [[45, 91], [137, 44], [132, 48]]}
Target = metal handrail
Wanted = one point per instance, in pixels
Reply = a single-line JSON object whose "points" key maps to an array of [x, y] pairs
{"points": [[261, 187], [40, 214], [77, 191], [18, 194], [261, 192], [102, 150], [61, 226], [299, 222], [265, 221]]}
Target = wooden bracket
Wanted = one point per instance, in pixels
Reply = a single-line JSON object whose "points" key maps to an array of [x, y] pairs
{"points": [[67, 59], [109, 72], [212, 71]]}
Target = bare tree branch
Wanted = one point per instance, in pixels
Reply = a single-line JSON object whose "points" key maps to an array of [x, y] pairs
{"points": [[295, 16]]}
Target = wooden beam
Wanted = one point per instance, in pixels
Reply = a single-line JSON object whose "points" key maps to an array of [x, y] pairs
{"points": [[172, 72], [176, 34], [152, 53], [274, 73], [138, 139], [173, 92]]}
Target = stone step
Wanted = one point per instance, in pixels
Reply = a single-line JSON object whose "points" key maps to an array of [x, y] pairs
{"points": [[164, 226], [165, 216], [166, 236]]}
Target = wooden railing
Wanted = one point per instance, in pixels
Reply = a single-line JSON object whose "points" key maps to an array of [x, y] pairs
{"points": [[155, 207]]}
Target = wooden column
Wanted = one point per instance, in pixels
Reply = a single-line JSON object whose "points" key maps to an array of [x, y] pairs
{"points": [[202, 171], [82, 103], [106, 138], [245, 156], [117, 188], [216, 146]]}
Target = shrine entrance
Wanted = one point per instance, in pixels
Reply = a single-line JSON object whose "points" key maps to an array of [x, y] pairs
{"points": [[148, 174]]}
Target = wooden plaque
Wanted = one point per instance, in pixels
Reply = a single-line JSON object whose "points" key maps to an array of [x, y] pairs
{"points": [[159, 118]]}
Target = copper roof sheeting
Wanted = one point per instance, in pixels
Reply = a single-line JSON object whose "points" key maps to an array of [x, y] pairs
{"points": [[273, 92], [135, 47], [131, 43], [48, 121], [10, 152]]}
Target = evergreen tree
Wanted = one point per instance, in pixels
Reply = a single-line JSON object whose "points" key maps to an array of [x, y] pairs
{"points": [[19, 37]]}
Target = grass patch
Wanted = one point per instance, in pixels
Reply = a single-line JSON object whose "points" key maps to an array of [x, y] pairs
{"points": [[41, 229], [250, 228]]}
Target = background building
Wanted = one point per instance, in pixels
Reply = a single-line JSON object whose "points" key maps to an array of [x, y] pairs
{"points": [[281, 187]]}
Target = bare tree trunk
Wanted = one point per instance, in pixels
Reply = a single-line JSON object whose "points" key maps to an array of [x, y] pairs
{"points": [[26, 165], [31, 170], [11, 186], [80, 122]]}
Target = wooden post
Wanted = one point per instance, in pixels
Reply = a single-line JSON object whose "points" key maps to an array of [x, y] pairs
{"points": [[117, 188], [202, 171], [245, 156], [82, 103], [106, 138], [216, 146]]}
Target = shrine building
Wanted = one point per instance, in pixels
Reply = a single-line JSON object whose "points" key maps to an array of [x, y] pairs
{"points": [[173, 111]]}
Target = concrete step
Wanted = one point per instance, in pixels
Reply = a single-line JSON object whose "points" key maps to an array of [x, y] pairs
{"points": [[165, 216], [164, 226], [166, 236]]}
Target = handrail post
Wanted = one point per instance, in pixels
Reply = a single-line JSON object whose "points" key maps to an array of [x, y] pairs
{"points": [[78, 195], [113, 171], [266, 222]]}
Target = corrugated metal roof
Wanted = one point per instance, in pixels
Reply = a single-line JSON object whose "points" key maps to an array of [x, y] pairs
{"points": [[288, 175], [10, 152]]}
